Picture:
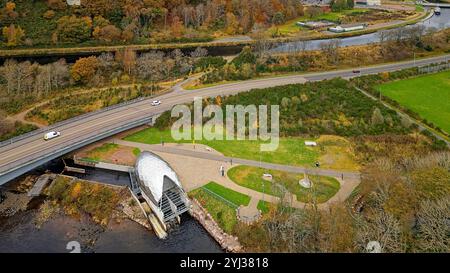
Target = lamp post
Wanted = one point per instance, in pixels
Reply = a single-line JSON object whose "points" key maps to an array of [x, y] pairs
{"points": [[263, 181]]}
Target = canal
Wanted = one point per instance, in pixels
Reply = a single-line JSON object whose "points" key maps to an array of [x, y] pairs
{"points": [[437, 22]]}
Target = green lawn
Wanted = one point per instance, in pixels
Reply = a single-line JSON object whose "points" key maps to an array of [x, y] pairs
{"points": [[291, 151], [264, 206], [234, 197], [251, 177], [428, 95], [223, 213], [136, 151], [98, 153]]}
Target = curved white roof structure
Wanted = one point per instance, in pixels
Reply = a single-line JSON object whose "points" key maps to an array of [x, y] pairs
{"points": [[152, 171]]}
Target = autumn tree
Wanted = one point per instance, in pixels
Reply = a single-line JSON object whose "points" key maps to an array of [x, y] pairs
{"points": [[109, 33], [127, 58], [73, 29], [56, 4], [177, 27], [313, 11], [232, 25], [84, 69], [8, 13], [14, 35]]}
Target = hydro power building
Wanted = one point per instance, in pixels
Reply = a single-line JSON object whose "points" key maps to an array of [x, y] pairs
{"points": [[160, 187]]}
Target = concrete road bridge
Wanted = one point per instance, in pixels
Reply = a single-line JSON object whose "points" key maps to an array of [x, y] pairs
{"points": [[429, 4]]}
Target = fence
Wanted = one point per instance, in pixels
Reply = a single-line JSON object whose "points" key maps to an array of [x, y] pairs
{"points": [[233, 205], [434, 68]]}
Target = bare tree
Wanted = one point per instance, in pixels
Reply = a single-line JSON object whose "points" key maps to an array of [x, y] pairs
{"points": [[331, 50], [383, 228], [433, 225], [150, 65], [199, 52]]}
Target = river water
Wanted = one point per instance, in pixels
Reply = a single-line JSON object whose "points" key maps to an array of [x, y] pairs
{"points": [[18, 233], [436, 21]]}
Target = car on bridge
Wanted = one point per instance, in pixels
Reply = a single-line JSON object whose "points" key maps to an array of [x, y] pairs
{"points": [[156, 102], [51, 135]]}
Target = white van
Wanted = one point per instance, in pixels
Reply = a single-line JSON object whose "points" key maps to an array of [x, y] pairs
{"points": [[51, 135]]}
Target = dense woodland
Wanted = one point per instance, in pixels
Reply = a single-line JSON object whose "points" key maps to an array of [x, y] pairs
{"points": [[44, 22]]}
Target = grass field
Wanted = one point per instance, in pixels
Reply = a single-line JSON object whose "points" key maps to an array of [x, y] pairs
{"points": [[223, 213], [428, 96], [234, 197], [335, 153], [112, 153], [264, 206], [251, 177]]}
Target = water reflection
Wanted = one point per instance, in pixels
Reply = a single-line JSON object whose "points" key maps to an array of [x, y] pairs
{"points": [[19, 234]]}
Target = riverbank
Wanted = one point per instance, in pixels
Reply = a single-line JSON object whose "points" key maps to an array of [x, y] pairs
{"points": [[228, 242]]}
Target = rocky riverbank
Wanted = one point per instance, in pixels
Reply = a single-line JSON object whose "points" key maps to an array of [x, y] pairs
{"points": [[228, 242]]}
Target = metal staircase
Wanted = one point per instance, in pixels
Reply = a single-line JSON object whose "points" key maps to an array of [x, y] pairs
{"points": [[172, 204], [134, 182]]}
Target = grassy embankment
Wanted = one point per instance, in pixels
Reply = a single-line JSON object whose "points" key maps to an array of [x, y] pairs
{"points": [[332, 151], [112, 153], [80, 197], [251, 177], [62, 107], [221, 203], [428, 95], [15, 129]]}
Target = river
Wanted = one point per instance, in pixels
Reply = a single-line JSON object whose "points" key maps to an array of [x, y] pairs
{"points": [[18, 233]]}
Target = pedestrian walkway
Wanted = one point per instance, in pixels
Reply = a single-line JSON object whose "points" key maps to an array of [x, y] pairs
{"points": [[206, 168], [250, 213]]}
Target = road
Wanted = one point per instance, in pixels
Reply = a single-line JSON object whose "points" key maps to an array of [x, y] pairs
{"points": [[16, 156]]}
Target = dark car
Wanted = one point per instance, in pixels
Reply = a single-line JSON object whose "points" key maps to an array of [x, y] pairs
{"points": [[356, 71]]}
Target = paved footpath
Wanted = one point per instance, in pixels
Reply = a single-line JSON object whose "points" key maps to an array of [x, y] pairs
{"points": [[207, 163]]}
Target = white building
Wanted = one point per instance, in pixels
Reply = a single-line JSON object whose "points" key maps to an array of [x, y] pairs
{"points": [[160, 187], [368, 2], [73, 2], [347, 28]]}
